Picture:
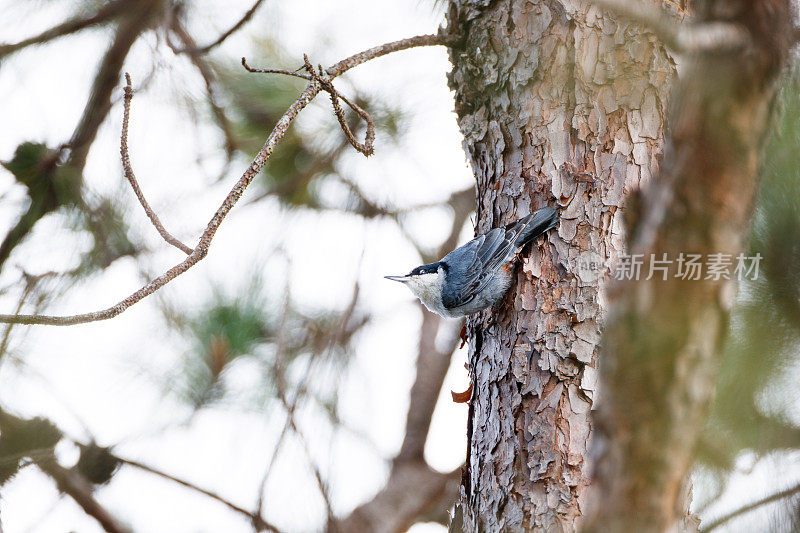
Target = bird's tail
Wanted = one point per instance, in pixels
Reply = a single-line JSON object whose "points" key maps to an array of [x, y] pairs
{"points": [[534, 225]]}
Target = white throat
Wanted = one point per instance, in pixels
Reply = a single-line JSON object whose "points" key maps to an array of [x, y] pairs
{"points": [[428, 288]]}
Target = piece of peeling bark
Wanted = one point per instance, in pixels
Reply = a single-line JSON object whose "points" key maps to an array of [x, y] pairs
{"points": [[462, 397]]}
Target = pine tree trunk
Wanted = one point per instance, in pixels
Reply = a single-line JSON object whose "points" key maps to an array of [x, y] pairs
{"points": [[559, 105]]}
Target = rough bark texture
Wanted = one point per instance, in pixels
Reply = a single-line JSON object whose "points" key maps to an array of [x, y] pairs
{"points": [[661, 346], [559, 105]]}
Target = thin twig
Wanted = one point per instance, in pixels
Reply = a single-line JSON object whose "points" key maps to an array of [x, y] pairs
{"points": [[300, 391], [256, 518], [321, 485], [791, 491], [194, 50], [128, 169], [234, 195], [131, 26], [30, 284], [327, 85], [278, 376], [248, 68], [207, 73], [367, 147]]}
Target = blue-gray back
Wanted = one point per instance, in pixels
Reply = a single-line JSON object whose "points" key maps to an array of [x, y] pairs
{"points": [[473, 265]]}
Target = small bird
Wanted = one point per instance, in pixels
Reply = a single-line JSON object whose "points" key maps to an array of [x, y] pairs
{"points": [[477, 275]]}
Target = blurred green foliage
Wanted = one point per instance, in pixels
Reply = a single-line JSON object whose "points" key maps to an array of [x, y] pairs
{"points": [[20, 439], [257, 103], [764, 338], [49, 187], [96, 463], [53, 186], [232, 328], [110, 231], [223, 330]]}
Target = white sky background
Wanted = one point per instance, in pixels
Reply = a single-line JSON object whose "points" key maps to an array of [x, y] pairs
{"points": [[106, 374]]}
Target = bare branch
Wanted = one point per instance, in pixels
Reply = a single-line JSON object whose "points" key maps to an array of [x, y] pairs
{"points": [[362, 57], [207, 74], [99, 102], [300, 391], [367, 147], [72, 484], [195, 50], [255, 517], [234, 195], [691, 37], [104, 14], [791, 491], [128, 169]]}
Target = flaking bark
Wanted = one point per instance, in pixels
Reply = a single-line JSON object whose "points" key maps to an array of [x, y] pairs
{"points": [[559, 105]]}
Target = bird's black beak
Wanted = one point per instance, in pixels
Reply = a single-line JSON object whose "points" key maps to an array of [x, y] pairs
{"points": [[401, 279]]}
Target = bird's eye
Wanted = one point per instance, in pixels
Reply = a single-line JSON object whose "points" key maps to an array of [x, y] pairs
{"points": [[422, 270]]}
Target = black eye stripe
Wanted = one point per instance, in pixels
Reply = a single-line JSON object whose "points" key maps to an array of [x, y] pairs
{"points": [[433, 268]]}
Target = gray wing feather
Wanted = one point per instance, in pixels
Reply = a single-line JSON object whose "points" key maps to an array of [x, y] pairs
{"points": [[474, 264]]}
